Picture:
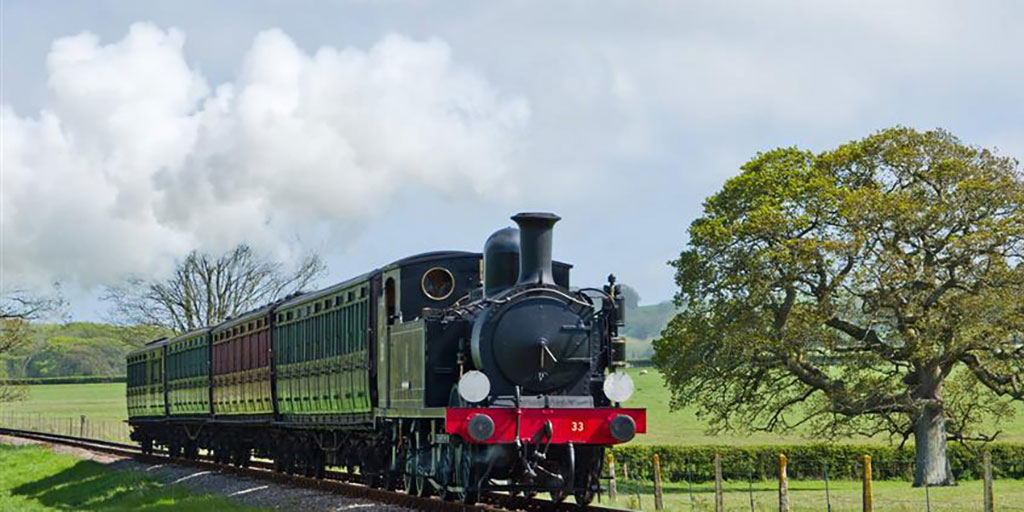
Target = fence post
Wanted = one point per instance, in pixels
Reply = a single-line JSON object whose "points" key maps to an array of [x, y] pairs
{"points": [[990, 501], [612, 486], [868, 506], [689, 485], [750, 487], [636, 485], [783, 485], [828, 497], [657, 483], [719, 505], [81, 427]]}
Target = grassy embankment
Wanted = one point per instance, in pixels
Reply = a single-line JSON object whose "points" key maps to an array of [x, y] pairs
{"points": [[35, 479]]}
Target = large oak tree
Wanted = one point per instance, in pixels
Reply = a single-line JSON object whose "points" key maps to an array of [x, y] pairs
{"points": [[875, 288]]}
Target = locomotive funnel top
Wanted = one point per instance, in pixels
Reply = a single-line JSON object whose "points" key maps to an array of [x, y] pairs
{"points": [[535, 240]]}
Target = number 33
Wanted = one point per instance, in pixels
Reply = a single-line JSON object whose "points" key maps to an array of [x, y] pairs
{"points": [[576, 426]]}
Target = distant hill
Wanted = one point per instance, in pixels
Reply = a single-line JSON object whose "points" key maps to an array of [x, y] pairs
{"points": [[647, 322], [77, 348], [643, 324]]}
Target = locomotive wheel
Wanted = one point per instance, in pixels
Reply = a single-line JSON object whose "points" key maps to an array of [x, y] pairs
{"points": [[424, 461], [309, 463], [558, 496], [424, 486], [191, 450], [371, 480], [465, 479], [445, 470], [588, 479], [244, 456], [409, 479], [584, 497], [321, 465]]}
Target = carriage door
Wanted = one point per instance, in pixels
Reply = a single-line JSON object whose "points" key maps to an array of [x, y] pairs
{"points": [[387, 314]]}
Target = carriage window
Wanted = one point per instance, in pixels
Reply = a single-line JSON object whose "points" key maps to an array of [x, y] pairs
{"points": [[389, 299]]}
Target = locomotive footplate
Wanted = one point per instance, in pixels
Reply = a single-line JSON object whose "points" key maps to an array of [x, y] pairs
{"points": [[602, 426]]}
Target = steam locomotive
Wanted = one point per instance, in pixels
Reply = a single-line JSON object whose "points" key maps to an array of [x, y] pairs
{"points": [[448, 373]]}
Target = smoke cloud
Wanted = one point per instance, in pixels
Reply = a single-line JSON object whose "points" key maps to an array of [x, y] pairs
{"points": [[138, 159]]}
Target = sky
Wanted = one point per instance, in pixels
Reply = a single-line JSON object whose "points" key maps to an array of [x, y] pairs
{"points": [[134, 132]]}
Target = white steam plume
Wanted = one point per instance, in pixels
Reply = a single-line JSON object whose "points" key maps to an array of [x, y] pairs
{"points": [[137, 159]]}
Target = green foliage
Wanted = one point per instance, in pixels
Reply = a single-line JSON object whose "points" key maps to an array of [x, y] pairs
{"points": [[839, 291], [36, 479], [76, 349], [808, 461]]}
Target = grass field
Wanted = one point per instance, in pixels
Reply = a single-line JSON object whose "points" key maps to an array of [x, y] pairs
{"points": [[106, 402], [36, 479], [97, 401]]}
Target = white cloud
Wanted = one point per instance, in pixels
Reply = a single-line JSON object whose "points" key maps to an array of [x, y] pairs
{"points": [[136, 159]]}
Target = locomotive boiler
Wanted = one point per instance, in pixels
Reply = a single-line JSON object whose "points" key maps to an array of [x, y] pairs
{"points": [[447, 373]]}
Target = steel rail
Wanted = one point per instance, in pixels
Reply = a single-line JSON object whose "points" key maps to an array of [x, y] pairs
{"points": [[335, 482]]}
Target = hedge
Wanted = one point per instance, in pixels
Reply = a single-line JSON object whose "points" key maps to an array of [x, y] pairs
{"points": [[75, 379], [810, 461]]}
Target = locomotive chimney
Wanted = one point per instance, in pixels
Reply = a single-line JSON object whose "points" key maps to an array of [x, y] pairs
{"points": [[535, 247], [501, 261]]}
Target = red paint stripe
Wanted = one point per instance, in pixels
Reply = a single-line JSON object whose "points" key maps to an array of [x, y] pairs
{"points": [[583, 426]]}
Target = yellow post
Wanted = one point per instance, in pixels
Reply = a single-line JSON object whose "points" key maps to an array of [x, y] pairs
{"points": [[990, 499], [868, 506], [613, 490], [657, 483], [719, 499], [783, 485]]}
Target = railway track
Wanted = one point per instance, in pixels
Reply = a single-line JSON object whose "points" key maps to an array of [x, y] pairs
{"points": [[335, 482]]}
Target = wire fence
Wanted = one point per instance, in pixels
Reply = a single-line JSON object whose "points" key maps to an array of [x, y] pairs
{"points": [[858, 485], [80, 426]]}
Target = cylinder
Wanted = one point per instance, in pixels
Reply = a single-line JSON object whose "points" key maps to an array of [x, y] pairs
{"points": [[535, 242], [501, 261]]}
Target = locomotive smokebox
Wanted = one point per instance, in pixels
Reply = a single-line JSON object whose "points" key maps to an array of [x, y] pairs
{"points": [[501, 261], [535, 240]]}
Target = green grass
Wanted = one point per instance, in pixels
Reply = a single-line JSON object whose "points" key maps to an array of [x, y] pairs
{"points": [[36, 479], [664, 427], [810, 496], [682, 427], [97, 401]]}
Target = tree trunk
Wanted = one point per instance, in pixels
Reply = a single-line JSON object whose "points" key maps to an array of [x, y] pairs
{"points": [[931, 462]]}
